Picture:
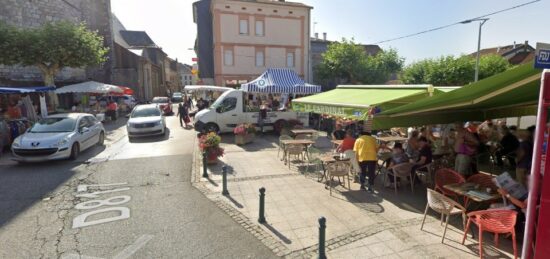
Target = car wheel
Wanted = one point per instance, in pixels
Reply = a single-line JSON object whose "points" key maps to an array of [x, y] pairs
{"points": [[75, 151], [101, 140], [211, 127]]}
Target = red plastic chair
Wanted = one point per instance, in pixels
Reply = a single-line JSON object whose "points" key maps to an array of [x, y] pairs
{"points": [[484, 181], [446, 176], [494, 221]]}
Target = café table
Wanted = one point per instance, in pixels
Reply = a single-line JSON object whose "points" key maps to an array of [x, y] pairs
{"points": [[297, 132], [471, 191], [327, 159]]}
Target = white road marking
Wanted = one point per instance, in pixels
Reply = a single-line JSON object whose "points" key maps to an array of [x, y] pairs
{"points": [[80, 220], [130, 250]]}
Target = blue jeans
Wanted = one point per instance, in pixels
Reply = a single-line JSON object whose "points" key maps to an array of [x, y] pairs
{"points": [[368, 168]]}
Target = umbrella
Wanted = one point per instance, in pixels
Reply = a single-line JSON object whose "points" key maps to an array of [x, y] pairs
{"points": [[89, 87]]}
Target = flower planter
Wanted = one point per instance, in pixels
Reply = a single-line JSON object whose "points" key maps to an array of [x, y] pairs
{"points": [[212, 158], [244, 139]]}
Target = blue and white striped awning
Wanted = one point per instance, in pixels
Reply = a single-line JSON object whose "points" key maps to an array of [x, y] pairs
{"points": [[280, 80]]}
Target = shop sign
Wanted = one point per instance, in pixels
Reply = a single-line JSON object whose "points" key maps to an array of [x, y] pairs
{"points": [[542, 55]]}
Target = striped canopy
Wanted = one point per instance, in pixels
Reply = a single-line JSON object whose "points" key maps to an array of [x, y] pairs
{"points": [[280, 80]]}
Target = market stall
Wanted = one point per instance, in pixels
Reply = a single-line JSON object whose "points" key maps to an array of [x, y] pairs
{"points": [[19, 108], [509, 94], [91, 96]]}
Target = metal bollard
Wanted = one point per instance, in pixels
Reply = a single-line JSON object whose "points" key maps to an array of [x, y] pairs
{"points": [[204, 170], [224, 181], [322, 227], [261, 219]]}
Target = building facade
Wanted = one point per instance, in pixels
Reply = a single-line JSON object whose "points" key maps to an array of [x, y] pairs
{"points": [[28, 14], [247, 37], [186, 75]]}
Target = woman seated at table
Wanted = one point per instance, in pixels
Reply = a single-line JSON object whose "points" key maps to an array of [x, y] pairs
{"points": [[347, 142], [398, 157], [339, 133]]}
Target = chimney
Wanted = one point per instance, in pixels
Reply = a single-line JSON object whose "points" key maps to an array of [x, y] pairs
{"points": [[525, 46], [324, 36], [514, 46], [316, 35]]}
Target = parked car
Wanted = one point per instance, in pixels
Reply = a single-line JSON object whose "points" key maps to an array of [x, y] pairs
{"points": [[164, 104], [58, 136], [177, 97], [146, 120]]}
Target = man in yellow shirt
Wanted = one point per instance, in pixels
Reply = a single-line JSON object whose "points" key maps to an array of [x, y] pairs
{"points": [[366, 149]]}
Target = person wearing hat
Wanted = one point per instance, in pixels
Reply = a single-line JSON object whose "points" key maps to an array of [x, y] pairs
{"points": [[366, 149]]}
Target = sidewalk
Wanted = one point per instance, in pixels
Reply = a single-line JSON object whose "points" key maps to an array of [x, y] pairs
{"points": [[359, 224]]}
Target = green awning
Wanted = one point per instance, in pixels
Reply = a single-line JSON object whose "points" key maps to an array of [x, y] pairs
{"points": [[355, 101], [509, 94]]}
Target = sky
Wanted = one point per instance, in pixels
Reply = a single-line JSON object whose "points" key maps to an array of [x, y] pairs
{"points": [[170, 24]]}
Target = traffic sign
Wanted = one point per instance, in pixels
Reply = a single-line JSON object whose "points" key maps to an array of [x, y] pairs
{"points": [[542, 55]]}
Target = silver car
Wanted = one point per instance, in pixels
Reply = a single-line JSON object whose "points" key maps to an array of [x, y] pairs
{"points": [[146, 120], [58, 136]]}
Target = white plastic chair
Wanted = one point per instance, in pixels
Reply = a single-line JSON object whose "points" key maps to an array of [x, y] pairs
{"points": [[338, 169], [355, 168], [400, 171], [445, 206]]}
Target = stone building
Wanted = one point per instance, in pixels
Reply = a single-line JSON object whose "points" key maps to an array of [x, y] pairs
{"points": [[186, 76], [31, 13]]}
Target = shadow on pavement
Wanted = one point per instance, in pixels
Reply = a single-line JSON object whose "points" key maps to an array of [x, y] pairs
{"points": [[239, 205], [149, 139], [23, 185], [277, 233]]}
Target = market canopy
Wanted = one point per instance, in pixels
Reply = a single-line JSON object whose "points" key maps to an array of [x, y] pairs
{"points": [[90, 87], [280, 80], [512, 93], [26, 90], [206, 88], [355, 101]]}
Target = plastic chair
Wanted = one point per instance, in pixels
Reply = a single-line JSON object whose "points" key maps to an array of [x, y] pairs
{"points": [[402, 171], [313, 158], [338, 169], [484, 181], [425, 170], [494, 221], [355, 168], [445, 206], [294, 150], [446, 176], [281, 145]]}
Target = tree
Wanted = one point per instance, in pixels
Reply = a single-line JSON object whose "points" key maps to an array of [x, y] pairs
{"points": [[349, 62], [51, 47], [450, 70]]}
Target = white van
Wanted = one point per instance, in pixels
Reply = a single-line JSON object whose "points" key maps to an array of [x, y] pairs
{"points": [[229, 110]]}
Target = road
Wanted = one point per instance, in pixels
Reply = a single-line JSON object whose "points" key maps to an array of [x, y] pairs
{"points": [[149, 210]]}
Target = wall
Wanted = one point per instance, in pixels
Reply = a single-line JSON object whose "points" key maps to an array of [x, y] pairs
{"points": [[34, 13]]}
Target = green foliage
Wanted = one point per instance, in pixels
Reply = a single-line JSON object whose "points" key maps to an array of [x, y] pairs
{"points": [[450, 70], [51, 47], [348, 61]]}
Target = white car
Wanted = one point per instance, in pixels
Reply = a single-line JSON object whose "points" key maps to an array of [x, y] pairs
{"points": [[58, 136], [146, 120]]}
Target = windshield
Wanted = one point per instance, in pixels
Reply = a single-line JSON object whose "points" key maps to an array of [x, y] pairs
{"points": [[177, 94], [145, 112], [219, 100], [55, 124], [160, 100]]}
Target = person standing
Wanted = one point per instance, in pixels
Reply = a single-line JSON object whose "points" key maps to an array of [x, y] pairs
{"points": [[525, 155], [261, 117], [465, 148], [366, 149]]}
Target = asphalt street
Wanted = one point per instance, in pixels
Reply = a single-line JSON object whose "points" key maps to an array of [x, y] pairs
{"points": [[124, 200]]}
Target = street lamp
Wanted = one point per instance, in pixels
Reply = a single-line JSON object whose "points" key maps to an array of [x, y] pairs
{"points": [[481, 22]]}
